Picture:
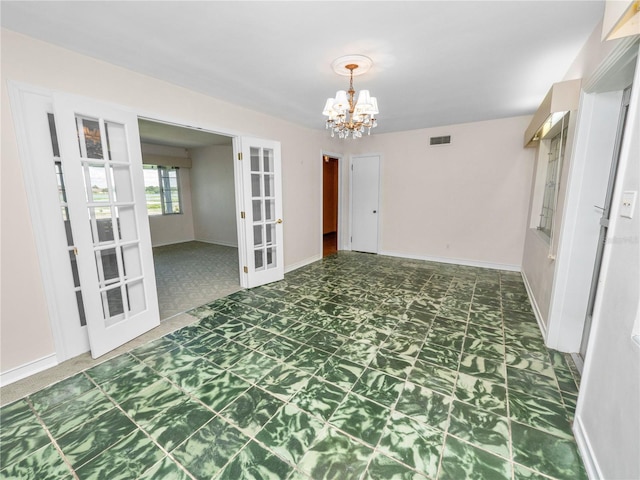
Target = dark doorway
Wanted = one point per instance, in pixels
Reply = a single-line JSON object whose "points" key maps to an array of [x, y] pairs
{"points": [[329, 205]]}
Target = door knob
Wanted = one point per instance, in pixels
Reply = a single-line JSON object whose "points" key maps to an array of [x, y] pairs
{"points": [[279, 220], [375, 211]]}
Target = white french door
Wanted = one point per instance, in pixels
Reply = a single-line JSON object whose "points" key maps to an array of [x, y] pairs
{"points": [[100, 154], [365, 181], [262, 254]]}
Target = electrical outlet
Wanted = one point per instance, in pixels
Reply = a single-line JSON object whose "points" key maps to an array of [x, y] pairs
{"points": [[628, 204]]}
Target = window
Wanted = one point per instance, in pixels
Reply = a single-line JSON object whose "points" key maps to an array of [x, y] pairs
{"points": [[162, 190], [554, 166]]}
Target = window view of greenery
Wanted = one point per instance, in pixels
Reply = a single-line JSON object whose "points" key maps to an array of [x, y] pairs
{"points": [[162, 190]]}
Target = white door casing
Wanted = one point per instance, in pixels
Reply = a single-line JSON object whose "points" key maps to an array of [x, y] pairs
{"points": [[101, 157], [30, 108], [261, 239], [365, 208]]}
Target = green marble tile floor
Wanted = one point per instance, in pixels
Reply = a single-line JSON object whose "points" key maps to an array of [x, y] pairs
{"points": [[354, 367]]}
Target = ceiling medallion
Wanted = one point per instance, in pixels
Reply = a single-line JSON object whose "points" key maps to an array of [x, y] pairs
{"points": [[346, 117]]}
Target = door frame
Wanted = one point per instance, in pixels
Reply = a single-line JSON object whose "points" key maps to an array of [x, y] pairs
{"points": [[340, 157], [43, 225], [380, 199], [600, 103], [606, 219], [48, 230]]}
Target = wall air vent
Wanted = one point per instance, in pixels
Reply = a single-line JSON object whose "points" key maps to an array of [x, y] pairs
{"points": [[444, 140]]}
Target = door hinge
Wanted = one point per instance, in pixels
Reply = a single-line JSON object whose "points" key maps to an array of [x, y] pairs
{"points": [[239, 155], [75, 251], [246, 270], [241, 214]]}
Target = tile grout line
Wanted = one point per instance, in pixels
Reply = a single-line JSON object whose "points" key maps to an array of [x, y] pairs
{"points": [[138, 427], [54, 442]]}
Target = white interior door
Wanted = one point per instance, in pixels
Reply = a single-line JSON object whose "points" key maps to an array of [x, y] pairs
{"points": [[262, 226], [365, 182], [101, 158]]}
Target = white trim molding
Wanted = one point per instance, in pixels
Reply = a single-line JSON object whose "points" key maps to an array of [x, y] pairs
{"points": [[586, 451], [534, 306], [31, 368], [302, 263], [455, 261]]}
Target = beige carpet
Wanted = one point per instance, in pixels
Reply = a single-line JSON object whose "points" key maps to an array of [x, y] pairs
{"points": [[191, 274]]}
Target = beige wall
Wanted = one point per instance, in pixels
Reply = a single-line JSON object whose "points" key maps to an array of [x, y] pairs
{"points": [[25, 327], [465, 202], [168, 229], [213, 195]]}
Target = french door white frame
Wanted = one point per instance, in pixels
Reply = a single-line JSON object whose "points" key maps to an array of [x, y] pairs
{"points": [[259, 184], [48, 229]]}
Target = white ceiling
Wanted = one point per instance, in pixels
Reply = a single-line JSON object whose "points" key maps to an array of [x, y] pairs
{"points": [[158, 133], [434, 62]]}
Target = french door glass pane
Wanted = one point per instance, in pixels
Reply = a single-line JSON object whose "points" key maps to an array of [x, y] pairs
{"points": [[74, 268], [121, 181], [268, 160], [113, 302], [270, 233], [257, 235], [54, 135], [257, 210], [126, 223], [269, 210], [108, 265], [268, 186], [255, 159], [67, 226], [96, 181], [89, 138], [131, 261], [271, 257], [264, 207], [81, 312], [60, 178], [259, 259], [136, 297], [255, 185], [116, 142]]}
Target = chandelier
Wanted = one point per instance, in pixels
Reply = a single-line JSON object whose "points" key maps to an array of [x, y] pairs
{"points": [[346, 117]]}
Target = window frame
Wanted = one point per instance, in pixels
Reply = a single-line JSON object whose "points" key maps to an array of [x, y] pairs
{"points": [[164, 186]]}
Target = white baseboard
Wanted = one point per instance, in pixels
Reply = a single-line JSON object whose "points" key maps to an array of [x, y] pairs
{"points": [[302, 263], [28, 369], [534, 305], [224, 244], [455, 261], [586, 451]]}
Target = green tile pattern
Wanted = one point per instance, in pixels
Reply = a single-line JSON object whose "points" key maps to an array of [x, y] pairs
{"points": [[354, 367]]}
